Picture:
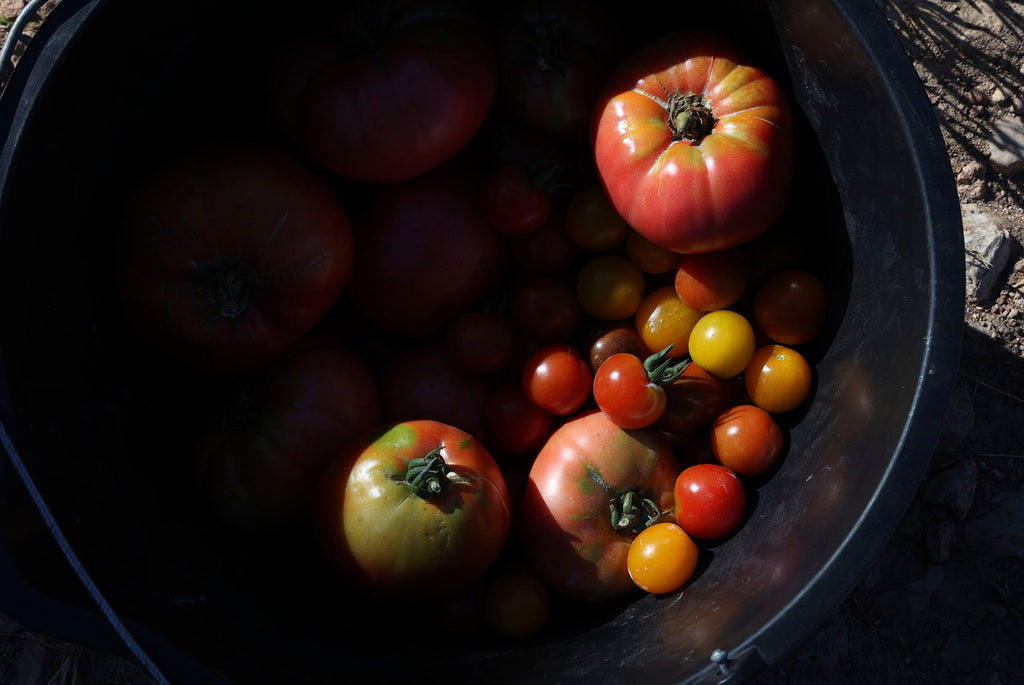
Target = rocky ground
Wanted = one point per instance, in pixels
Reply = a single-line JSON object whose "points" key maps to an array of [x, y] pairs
{"points": [[944, 600]]}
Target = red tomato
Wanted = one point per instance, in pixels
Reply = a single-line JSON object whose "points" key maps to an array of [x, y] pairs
{"points": [[592, 488], [426, 253], [515, 425], [512, 202], [778, 379], [553, 57], [713, 280], [483, 343], [746, 439], [414, 507], [423, 382], [662, 558], [229, 254], [386, 91], [631, 391], [269, 442], [558, 379], [790, 307], [710, 501], [693, 145]]}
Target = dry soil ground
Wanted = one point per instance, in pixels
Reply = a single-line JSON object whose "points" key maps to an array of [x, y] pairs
{"points": [[944, 601]]}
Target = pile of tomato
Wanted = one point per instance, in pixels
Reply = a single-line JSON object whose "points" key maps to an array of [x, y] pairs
{"points": [[506, 299]]}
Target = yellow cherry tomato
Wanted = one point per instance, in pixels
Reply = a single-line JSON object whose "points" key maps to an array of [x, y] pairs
{"points": [[722, 343]]}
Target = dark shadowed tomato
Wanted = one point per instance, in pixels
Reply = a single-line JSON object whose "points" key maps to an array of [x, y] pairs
{"points": [[385, 91], [592, 222], [515, 425], [693, 401], [269, 441], [512, 201], [694, 145], [424, 382], [547, 250], [482, 342], [558, 378], [545, 308], [553, 57], [413, 507], [592, 488], [426, 253], [604, 342], [710, 501], [610, 287], [229, 254], [790, 307]]}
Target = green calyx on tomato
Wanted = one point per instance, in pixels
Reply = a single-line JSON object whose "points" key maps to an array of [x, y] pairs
{"points": [[665, 370], [226, 285], [429, 475], [630, 510], [690, 117]]}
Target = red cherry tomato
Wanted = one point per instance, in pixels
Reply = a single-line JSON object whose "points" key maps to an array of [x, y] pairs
{"points": [[511, 202], [746, 439], [481, 343], [558, 379], [631, 391], [545, 309], [515, 424], [710, 501], [714, 280], [606, 342]]}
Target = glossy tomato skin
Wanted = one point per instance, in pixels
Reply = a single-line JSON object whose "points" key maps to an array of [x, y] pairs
{"points": [[626, 392], [269, 441], [383, 92], [693, 401], [709, 193], [567, 526], [557, 378], [378, 535], [709, 501], [426, 253], [230, 253], [747, 440]]}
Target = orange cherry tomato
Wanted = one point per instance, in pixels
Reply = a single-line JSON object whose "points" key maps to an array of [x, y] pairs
{"points": [[663, 319], [746, 440], [662, 558], [778, 378]]}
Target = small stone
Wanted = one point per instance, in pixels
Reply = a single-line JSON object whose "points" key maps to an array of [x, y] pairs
{"points": [[988, 246], [970, 172], [954, 488], [10, 9], [998, 96], [939, 539], [1006, 145]]}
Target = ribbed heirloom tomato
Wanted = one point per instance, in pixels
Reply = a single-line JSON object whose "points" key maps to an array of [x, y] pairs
{"points": [[414, 506], [693, 144], [591, 489]]}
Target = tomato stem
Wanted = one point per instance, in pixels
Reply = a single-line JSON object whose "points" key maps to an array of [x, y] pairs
{"points": [[690, 117], [662, 369], [429, 475], [630, 510]]}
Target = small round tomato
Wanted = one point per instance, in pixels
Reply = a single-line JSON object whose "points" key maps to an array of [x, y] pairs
{"points": [[546, 308], [713, 280], [631, 391], [610, 287], [651, 258], [481, 343], [746, 439], [662, 558], [722, 343], [511, 202], [547, 250], [516, 604], [710, 501], [592, 488], [790, 307], [557, 378], [515, 424], [663, 319], [592, 222], [778, 378], [605, 342], [413, 507], [693, 401]]}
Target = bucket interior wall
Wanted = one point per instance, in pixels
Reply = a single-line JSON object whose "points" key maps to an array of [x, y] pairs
{"points": [[104, 425]]}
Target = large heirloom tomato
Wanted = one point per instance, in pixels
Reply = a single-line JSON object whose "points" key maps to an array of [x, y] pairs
{"points": [[426, 253], [413, 507], [270, 440], [229, 254], [591, 489], [694, 145], [386, 91]]}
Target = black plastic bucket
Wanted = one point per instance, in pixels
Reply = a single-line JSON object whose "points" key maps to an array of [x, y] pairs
{"points": [[108, 85]]}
